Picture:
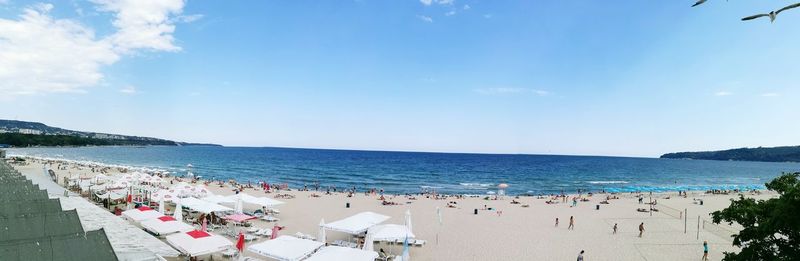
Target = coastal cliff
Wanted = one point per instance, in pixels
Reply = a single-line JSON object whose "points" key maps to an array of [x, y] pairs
{"points": [[773, 154]]}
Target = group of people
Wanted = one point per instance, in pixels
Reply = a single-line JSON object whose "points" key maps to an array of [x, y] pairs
{"points": [[704, 258]]}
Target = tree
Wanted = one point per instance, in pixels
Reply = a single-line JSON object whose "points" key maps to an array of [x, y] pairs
{"points": [[771, 227]]}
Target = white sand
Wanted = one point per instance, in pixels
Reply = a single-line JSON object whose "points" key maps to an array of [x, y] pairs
{"points": [[519, 233]]}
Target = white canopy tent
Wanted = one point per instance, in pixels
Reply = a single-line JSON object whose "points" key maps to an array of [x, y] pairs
{"points": [[165, 225], [140, 214], [202, 206], [217, 199], [196, 243], [261, 201], [286, 248], [337, 253], [357, 223], [389, 232]]}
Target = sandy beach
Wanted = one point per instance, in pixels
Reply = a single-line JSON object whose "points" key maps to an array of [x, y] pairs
{"points": [[508, 231]]}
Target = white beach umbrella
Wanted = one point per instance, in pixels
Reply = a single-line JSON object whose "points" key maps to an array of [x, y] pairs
{"points": [[438, 215], [178, 215], [161, 206], [238, 207], [369, 243], [408, 219], [321, 234]]}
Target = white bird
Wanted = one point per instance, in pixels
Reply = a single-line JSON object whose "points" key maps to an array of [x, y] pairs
{"points": [[699, 2], [772, 15]]}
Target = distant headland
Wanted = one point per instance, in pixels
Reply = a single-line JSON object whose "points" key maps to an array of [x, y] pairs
{"points": [[773, 154], [29, 134]]}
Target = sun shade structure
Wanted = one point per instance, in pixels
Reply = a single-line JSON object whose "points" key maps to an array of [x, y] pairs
{"points": [[202, 206], [165, 225], [34, 227], [389, 232], [261, 201], [357, 223], [196, 242], [286, 248], [217, 199], [141, 214], [337, 253]]}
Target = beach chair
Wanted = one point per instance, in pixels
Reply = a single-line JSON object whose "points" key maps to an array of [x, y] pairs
{"points": [[264, 232], [229, 253], [270, 219], [419, 242]]}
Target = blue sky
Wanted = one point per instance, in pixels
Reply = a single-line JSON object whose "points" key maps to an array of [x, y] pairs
{"points": [[632, 78]]}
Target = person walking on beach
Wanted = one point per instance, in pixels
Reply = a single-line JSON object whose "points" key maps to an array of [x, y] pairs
{"points": [[641, 229], [580, 256], [571, 223], [556, 222], [705, 250], [615, 228]]}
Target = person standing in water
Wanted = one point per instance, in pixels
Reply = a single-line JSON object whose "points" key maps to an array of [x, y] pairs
{"points": [[615, 228], [580, 256], [556, 222], [571, 223], [705, 250]]}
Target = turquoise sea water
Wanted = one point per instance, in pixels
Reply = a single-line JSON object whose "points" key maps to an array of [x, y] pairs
{"points": [[408, 172]]}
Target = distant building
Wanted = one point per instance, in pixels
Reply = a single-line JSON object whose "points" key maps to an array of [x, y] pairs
{"points": [[30, 131]]}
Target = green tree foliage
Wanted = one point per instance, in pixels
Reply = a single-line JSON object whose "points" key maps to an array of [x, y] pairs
{"points": [[771, 227]]}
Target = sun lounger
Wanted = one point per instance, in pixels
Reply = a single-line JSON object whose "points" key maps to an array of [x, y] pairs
{"points": [[419, 242], [264, 232], [229, 253], [270, 219]]}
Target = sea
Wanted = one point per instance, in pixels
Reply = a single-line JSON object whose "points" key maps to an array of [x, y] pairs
{"points": [[412, 172]]}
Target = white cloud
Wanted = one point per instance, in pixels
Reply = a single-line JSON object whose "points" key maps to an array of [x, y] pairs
{"points": [[511, 90], [466, 7], [770, 94], [441, 2], [41, 54], [425, 18], [487, 16], [723, 93], [188, 18], [451, 13], [129, 89], [143, 24]]}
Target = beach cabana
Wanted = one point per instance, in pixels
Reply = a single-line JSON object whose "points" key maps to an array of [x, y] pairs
{"points": [[202, 206], [337, 253], [217, 199], [358, 223], [196, 243], [261, 201], [286, 248], [140, 214], [165, 225], [390, 232]]}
